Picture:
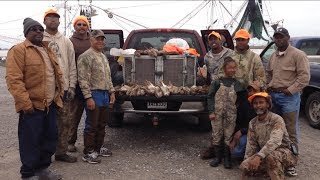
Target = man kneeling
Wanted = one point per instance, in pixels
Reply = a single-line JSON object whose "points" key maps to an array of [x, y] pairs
{"points": [[268, 146]]}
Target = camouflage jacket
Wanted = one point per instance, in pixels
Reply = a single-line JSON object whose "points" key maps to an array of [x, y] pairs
{"points": [[94, 73], [266, 136], [214, 62], [250, 68]]}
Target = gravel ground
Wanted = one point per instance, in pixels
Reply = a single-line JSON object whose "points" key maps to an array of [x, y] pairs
{"points": [[141, 151]]}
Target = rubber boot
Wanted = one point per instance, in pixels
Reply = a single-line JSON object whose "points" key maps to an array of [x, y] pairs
{"points": [[217, 160], [227, 157], [207, 153]]}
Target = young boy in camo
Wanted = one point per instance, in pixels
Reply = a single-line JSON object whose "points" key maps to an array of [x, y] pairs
{"points": [[222, 108], [98, 91]]}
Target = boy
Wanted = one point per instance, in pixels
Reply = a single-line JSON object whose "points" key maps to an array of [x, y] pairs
{"points": [[222, 108]]}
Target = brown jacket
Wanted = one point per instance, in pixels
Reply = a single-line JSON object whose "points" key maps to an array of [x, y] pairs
{"points": [[25, 76]]}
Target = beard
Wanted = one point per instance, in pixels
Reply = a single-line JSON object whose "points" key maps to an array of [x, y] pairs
{"points": [[261, 111]]}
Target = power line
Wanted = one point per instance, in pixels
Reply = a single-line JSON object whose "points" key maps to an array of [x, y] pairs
{"points": [[134, 6], [6, 22]]}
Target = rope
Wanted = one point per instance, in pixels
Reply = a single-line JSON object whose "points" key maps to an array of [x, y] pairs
{"points": [[189, 14], [106, 11]]}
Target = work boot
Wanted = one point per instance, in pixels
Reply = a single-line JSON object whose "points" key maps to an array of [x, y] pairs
{"points": [[207, 153], [65, 158], [47, 174], [72, 148], [227, 157], [218, 153]]}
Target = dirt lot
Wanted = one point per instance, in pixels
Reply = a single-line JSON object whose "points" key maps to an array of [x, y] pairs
{"points": [[141, 151]]}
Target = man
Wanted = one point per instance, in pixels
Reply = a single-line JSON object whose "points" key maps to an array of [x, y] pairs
{"points": [[250, 67], [35, 81], [215, 57], [288, 72], [63, 49], [81, 42], [98, 91], [268, 143]]}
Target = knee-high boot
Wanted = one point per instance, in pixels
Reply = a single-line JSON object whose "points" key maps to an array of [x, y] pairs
{"points": [[218, 158]]}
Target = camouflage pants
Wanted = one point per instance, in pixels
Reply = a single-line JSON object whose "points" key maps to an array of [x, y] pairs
{"points": [[226, 114], [63, 123], [76, 111], [274, 164]]}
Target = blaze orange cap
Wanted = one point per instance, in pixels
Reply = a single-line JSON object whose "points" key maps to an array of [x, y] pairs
{"points": [[51, 11], [214, 34], [81, 18], [259, 94], [242, 33]]}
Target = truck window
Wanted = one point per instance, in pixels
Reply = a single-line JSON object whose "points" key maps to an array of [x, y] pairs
{"points": [[158, 39], [266, 56], [111, 41], [311, 47]]}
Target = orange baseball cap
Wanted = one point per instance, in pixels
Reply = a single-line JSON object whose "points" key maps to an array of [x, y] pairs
{"points": [[259, 94], [242, 33], [214, 34], [51, 11]]}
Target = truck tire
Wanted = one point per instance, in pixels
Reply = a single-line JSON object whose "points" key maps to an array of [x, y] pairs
{"points": [[115, 119], [312, 109], [204, 123]]}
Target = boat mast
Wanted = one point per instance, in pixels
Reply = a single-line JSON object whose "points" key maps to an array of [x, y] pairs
{"points": [[65, 17]]}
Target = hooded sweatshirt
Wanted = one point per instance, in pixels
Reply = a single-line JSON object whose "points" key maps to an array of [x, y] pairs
{"points": [[64, 51], [80, 44]]}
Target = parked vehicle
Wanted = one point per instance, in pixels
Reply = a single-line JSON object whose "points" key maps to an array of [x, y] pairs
{"points": [[310, 97], [180, 70]]}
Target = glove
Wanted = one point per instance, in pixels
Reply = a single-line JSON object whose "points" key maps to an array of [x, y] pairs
{"points": [[70, 94]]}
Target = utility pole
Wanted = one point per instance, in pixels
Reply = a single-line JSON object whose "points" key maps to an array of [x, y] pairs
{"points": [[65, 17]]}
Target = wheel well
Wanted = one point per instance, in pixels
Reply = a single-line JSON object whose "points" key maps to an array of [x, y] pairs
{"points": [[306, 93]]}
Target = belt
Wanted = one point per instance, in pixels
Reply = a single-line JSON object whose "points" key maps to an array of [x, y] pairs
{"points": [[276, 90]]}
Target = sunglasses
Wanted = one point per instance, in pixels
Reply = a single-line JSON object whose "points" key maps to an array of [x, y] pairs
{"points": [[80, 24], [36, 29]]}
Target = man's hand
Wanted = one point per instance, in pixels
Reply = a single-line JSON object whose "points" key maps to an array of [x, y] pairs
{"points": [[202, 72], [91, 104], [212, 117], [70, 94], [232, 144], [29, 111], [254, 162], [112, 98], [287, 92]]}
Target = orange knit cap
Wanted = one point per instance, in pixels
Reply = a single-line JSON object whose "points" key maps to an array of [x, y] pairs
{"points": [[242, 33], [81, 18]]}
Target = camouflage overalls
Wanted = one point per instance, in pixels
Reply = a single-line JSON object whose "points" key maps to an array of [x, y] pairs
{"points": [[226, 113], [269, 139]]}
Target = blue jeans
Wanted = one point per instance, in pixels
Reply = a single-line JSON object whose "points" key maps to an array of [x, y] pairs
{"points": [[285, 105], [38, 135], [240, 149], [101, 99]]}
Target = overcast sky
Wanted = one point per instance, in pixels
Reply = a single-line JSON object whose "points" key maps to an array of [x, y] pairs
{"points": [[300, 17]]}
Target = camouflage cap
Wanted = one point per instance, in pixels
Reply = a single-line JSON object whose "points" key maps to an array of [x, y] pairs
{"points": [[97, 33]]}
